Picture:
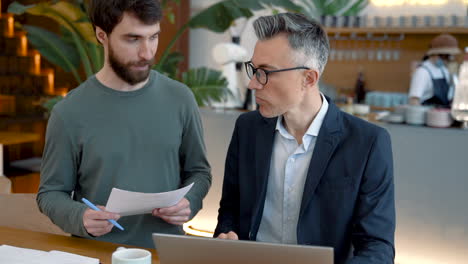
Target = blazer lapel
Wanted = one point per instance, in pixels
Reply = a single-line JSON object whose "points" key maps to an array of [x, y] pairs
{"points": [[326, 143], [264, 139]]}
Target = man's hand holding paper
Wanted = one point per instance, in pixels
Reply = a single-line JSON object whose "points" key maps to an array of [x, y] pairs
{"points": [[175, 215]]}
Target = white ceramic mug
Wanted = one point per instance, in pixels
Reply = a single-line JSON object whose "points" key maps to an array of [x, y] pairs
{"points": [[131, 256]]}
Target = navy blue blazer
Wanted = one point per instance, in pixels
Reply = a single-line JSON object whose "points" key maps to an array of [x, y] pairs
{"points": [[348, 201]]}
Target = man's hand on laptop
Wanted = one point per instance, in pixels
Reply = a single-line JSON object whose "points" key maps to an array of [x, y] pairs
{"points": [[95, 222], [231, 236], [177, 214]]}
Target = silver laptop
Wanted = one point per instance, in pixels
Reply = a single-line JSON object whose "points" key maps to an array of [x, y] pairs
{"points": [[174, 249]]}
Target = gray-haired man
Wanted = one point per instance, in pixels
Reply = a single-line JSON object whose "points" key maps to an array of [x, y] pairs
{"points": [[300, 171]]}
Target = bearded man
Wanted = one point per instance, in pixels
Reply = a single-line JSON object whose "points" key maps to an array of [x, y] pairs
{"points": [[127, 127]]}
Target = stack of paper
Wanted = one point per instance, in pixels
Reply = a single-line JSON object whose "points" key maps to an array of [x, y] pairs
{"points": [[17, 255]]}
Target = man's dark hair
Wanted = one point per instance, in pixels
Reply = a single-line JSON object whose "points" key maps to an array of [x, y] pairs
{"points": [[106, 14]]}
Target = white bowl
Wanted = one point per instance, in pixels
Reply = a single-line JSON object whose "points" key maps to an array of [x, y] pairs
{"points": [[416, 114], [361, 109], [395, 118], [439, 117]]}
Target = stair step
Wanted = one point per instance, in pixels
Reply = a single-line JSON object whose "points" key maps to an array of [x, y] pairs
{"points": [[7, 22], [16, 44], [27, 84], [14, 64], [7, 105], [28, 105]]}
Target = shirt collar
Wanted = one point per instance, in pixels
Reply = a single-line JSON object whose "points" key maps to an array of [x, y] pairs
{"points": [[281, 129], [313, 129]]}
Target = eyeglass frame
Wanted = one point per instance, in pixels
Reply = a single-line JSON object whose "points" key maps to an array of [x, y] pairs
{"points": [[267, 72]]}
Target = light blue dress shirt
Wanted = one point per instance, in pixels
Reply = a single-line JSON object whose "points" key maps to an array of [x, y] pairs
{"points": [[288, 172]]}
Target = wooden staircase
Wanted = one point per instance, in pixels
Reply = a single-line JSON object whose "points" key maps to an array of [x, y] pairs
{"points": [[23, 82]]}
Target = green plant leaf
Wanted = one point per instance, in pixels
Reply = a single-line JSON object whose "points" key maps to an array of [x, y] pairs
{"points": [[65, 13], [220, 16], [51, 102], [356, 8], [84, 19], [308, 9], [262, 4], [93, 51], [17, 8], [96, 55], [171, 65], [54, 49], [336, 7], [171, 18], [317, 8], [206, 84]]}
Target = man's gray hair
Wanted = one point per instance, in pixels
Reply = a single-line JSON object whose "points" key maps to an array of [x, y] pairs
{"points": [[306, 37]]}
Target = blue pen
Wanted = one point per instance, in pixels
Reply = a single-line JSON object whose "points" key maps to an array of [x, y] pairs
{"points": [[92, 206]]}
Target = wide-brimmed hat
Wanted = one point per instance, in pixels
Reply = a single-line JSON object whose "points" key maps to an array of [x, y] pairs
{"points": [[444, 44]]}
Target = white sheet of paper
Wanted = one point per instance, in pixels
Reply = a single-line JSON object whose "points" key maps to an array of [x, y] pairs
{"points": [[134, 203], [69, 258], [17, 255]]}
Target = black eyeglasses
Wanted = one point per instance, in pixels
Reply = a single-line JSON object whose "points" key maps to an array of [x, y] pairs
{"points": [[262, 74]]}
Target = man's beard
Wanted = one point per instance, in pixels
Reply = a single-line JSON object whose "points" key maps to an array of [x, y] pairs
{"points": [[124, 71]]}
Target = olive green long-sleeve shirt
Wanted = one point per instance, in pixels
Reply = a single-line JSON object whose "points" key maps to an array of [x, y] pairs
{"points": [[148, 140]]}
